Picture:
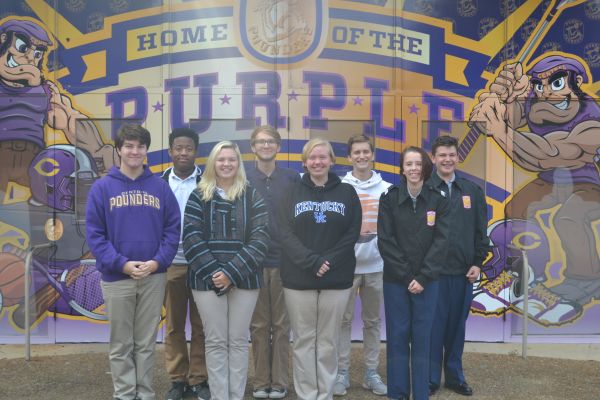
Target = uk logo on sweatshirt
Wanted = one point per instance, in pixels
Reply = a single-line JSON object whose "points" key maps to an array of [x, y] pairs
{"points": [[320, 217]]}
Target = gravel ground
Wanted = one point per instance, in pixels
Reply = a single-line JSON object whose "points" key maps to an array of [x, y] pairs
{"points": [[493, 377]]}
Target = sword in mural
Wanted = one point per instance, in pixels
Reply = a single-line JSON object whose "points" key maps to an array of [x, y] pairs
{"points": [[478, 129]]}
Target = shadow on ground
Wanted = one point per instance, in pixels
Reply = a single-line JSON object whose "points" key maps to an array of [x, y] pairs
{"points": [[493, 377]]}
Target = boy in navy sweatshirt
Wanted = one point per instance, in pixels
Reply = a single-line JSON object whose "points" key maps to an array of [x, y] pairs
{"points": [[133, 226]]}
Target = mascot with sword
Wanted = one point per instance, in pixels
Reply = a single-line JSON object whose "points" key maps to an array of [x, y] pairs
{"points": [[545, 122]]}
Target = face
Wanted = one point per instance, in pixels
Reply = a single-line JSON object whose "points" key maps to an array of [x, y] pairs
{"points": [[183, 153], [265, 147], [445, 160], [19, 64], [555, 100], [412, 167], [133, 154], [319, 162], [361, 156], [226, 164]]}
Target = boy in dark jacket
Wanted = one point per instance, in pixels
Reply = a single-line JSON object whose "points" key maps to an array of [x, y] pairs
{"points": [[467, 249]]}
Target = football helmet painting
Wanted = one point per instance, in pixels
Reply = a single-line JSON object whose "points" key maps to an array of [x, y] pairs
{"points": [[60, 175]]}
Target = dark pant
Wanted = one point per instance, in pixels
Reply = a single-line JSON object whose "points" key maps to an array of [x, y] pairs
{"points": [[409, 318], [448, 334]]}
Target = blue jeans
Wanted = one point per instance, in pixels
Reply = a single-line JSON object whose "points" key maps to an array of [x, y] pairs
{"points": [[448, 335], [409, 319]]}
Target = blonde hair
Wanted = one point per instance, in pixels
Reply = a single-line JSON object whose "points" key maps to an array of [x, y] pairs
{"points": [[208, 183], [311, 144]]}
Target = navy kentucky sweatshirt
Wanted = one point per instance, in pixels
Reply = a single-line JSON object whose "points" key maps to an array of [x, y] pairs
{"points": [[318, 224]]}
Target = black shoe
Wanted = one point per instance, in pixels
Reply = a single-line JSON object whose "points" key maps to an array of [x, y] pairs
{"points": [[460, 388], [201, 391], [433, 388], [176, 391]]}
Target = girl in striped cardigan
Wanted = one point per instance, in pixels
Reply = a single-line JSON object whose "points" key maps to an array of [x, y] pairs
{"points": [[225, 240]]}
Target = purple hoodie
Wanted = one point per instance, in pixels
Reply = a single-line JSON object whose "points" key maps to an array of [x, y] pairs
{"points": [[131, 220]]}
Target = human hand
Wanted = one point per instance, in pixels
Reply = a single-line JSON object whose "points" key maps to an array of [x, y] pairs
{"points": [[473, 273], [220, 280], [144, 269], [323, 269], [415, 287], [131, 267]]}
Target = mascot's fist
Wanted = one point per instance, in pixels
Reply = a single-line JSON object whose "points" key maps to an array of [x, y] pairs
{"points": [[510, 83]]}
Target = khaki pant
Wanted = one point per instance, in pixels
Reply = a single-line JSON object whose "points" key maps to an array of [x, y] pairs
{"points": [[182, 367], [370, 289], [226, 320], [315, 317], [133, 308], [270, 333]]}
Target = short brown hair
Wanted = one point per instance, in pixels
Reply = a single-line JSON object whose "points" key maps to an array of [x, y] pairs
{"points": [[359, 139], [269, 130], [445, 141], [132, 132]]}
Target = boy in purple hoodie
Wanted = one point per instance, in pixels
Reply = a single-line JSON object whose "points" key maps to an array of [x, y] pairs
{"points": [[133, 226]]}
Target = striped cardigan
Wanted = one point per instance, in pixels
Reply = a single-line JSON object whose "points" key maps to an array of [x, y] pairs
{"points": [[231, 237]]}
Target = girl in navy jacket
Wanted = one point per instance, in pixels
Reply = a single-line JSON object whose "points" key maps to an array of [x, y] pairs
{"points": [[412, 230]]}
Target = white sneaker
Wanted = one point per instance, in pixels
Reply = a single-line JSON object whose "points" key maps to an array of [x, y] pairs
{"points": [[342, 382], [374, 383], [277, 393], [260, 394]]}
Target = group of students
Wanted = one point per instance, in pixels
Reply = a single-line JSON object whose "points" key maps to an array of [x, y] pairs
{"points": [[273, 251]]}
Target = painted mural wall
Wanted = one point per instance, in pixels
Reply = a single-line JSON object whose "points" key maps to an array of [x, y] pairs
{"points": [[513, 80]]}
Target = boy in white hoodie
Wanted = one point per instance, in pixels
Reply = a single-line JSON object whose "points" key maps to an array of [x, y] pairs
{"points": [[369, 270]]}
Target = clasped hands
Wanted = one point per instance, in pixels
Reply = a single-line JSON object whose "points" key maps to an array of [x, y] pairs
{"points": [[140, 269]]}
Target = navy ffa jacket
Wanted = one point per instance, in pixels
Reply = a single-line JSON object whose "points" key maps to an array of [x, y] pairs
{"points": [[468, 242], [413, 241], [319, 224]]}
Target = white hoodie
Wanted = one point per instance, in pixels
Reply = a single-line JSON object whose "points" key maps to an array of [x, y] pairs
{"points": [[368, 259]]}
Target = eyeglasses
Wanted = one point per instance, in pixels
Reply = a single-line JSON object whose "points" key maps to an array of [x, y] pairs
{"points": [[264, 142]]}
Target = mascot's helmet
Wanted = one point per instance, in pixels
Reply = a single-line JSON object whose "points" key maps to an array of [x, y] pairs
{"points": [[60, 174]]}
